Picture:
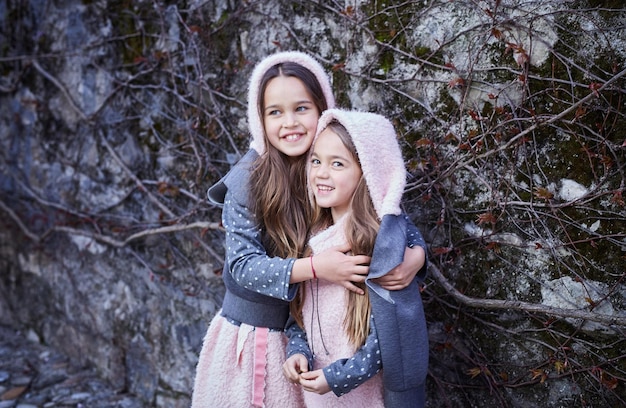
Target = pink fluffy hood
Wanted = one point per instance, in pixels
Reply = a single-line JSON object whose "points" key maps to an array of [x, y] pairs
{"points": [[379, 153], [255, 121]]}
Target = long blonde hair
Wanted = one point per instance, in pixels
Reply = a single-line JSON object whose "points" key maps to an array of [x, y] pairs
{"points": [[278, 182], [361, 228]]}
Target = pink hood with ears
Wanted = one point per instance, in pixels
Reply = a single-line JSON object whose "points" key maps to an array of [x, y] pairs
{"points": [[379, 153], [254, 117]]}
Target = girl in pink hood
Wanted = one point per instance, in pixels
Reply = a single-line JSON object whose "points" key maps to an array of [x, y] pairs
{"points": [[266, 217], [339, 341]]}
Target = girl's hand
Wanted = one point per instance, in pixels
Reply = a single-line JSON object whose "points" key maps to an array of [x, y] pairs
{"points": [[335, 266], [314, 381], [295, 365], [402, 275]]}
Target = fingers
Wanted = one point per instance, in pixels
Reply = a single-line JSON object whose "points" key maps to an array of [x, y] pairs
{"points": [[292, 377], [356, 259], [393, 287], [360, 270], [307, 381], [303, 365], [295, 365], [290, 372], [309, 375], [307, 385], [353, 288], [390, 283], [361, 259], [314, 381]]}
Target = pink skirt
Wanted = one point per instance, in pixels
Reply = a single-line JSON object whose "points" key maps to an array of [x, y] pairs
{"points": [[241, 367]]}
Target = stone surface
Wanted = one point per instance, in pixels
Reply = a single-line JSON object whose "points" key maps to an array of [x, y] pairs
{"points": [[115, 117], [33, 375]]}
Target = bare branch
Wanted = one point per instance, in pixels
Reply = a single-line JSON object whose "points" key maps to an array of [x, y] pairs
{"points": [[497, 304]]}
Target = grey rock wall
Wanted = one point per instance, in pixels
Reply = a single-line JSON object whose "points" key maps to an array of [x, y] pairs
{"points": [[115, 117]]}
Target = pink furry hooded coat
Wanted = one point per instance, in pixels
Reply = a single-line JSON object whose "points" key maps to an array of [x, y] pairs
{"points": [[400, 326]]}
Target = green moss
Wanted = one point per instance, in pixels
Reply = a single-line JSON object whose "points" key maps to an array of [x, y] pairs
{"points": [[606, 4], [132, 29], [388, 21], [421, 51]]}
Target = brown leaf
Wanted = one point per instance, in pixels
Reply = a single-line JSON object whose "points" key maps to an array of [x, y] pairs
{"points": [[610, 383], [617, 198], [493, 246], [451, 137], [560, 366], [478, 370], [338, 66], [441, 250], [487, 218], [590, 301], [539, 373], [423, 142], [543, 193], [473, 371], [167, 189], [349, 11], [13, 393], [594, 86], [607, 161], [457, 82]]}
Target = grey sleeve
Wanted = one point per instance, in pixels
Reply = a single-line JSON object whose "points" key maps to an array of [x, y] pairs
{"points": [[347, 374], [297, 341], [246, 258]]}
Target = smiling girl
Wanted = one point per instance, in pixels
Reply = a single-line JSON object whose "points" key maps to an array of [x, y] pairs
{"points": [[339, 341]]}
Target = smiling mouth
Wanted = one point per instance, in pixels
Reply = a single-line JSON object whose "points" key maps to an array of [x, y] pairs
{"points": [[324, 189], [293, 137]]}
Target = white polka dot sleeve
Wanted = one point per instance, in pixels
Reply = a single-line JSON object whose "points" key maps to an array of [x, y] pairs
{"points": [[347, 374], [297, 341], [246, 257]]}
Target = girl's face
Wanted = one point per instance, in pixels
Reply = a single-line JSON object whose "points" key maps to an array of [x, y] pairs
{"points": [[290, 116], [334, 173]]}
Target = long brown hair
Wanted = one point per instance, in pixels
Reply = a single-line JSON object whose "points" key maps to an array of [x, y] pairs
{"points": [[361, 228], [278, 182]]}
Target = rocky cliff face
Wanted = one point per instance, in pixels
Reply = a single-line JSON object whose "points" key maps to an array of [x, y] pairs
{"points": [[116, 116]]}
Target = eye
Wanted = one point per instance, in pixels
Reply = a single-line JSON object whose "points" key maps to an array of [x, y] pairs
{"points": [[273, 112], [337, 164], [302, 108], [315, 162]]}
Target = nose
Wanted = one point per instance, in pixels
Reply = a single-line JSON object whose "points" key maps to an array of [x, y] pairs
{"points": [[290, 120], [322, 171]]}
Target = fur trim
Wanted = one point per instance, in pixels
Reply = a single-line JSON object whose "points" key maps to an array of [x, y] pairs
{"points": [[254, 118], [379, 153]]}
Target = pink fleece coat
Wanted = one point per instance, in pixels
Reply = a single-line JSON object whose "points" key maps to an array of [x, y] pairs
{"points": [[323, 313]]}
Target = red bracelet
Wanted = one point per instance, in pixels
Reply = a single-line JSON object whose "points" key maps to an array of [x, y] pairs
{"points": [[312, 268]]}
